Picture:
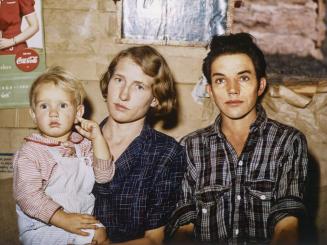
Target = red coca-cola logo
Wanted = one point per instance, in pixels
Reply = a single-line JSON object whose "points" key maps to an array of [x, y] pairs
{"points": [[27, 59]]}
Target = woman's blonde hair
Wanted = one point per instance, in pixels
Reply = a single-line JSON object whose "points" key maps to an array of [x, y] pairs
{"points": [[154, 65], [61, 78]]}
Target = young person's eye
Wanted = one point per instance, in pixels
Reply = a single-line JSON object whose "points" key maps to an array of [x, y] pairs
{"points": [[244, 78], [219, 80]]}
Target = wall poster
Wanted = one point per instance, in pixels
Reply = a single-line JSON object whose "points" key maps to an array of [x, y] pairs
{"points": [[22, 52], [174, 21]]}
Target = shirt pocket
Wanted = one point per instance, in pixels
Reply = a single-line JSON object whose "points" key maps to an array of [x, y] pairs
{"points": [[260, 197], [211, 210]]}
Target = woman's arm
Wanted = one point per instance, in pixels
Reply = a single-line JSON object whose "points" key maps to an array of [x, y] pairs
{"points": [[33, 27], [151, 237]]}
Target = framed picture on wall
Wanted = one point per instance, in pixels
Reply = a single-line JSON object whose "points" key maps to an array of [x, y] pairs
{"points": [[22, 52], [174, 22]]}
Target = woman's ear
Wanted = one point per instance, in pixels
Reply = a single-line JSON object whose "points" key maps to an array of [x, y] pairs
{"points": [[79, 112], [32, 114], [262, 86], [154, 102]]}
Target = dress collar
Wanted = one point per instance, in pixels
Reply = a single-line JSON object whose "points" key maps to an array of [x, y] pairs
{"points": [[74, 138]]}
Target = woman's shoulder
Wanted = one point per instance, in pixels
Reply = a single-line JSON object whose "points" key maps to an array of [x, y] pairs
{"points": [[160, 138]]}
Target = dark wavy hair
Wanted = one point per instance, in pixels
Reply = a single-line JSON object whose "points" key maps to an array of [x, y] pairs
{"points": [[239, 43]]}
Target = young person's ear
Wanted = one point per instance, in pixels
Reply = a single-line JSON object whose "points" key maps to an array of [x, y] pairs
{"points": [[154, 102], [262, 86], [80, 112], [32, 114], [209, 89]]}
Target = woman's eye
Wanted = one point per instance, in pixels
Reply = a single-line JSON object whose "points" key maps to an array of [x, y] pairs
{"points": [[118, 80], [139, 87]]}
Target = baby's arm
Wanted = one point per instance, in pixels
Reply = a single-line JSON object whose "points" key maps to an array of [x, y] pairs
{"points": [[91, 131], [73, 222], [28, 184], [103, 165], [31, 198]]}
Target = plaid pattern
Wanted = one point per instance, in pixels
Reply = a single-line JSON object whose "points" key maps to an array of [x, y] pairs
{"points": [[144, 191], [239, 199]]}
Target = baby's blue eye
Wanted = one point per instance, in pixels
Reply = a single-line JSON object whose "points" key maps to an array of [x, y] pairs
{"points": [[63, 105], [43, 106]]}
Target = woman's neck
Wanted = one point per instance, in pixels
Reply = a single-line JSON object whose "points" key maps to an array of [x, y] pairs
{"points": [[120, 135]]}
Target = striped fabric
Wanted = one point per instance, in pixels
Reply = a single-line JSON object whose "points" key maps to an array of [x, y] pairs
{"points": [[239, 199], [33, 167]]}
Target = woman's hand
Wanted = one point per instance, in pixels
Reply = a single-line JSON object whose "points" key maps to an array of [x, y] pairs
{"points": [[74, 222]]}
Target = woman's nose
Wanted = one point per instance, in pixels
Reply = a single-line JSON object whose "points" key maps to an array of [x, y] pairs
{"points": [[124, 93]]}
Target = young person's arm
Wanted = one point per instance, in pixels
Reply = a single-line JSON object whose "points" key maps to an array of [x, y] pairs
{"points": [[288, 207], [286, 231]]}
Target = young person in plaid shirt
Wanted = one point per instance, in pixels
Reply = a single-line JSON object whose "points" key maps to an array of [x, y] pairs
{"points": [[246, 173]]}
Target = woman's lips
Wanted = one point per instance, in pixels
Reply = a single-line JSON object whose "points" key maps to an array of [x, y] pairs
{"points": [[120, 107]]}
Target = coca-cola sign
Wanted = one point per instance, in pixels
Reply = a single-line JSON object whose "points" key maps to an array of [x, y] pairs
{"points": [[27, 59]]}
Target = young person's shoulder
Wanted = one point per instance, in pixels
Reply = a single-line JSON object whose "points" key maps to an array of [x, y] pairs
{"points": [[284, 130], [276, 125]]}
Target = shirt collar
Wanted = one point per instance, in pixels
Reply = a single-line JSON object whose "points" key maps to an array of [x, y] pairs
{"points": [[257, 125], [74, 138]]}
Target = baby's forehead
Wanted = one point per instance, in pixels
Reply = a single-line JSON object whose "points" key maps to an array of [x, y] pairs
{"points": [[54, 91]]}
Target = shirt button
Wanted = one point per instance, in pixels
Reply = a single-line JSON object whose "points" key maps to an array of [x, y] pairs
{"points": [[236, 232], [204, 210], [263, 197], [238, 197], [240, 163]]}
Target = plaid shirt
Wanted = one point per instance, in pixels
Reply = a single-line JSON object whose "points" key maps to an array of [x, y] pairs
{"points": [[145, 188], [240, 199]]}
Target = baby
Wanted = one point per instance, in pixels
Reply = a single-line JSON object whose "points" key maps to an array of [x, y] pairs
{"points": [[55, 169]]}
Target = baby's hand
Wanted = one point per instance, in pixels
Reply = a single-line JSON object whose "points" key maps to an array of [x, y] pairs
{"points": [[89, 129]]}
